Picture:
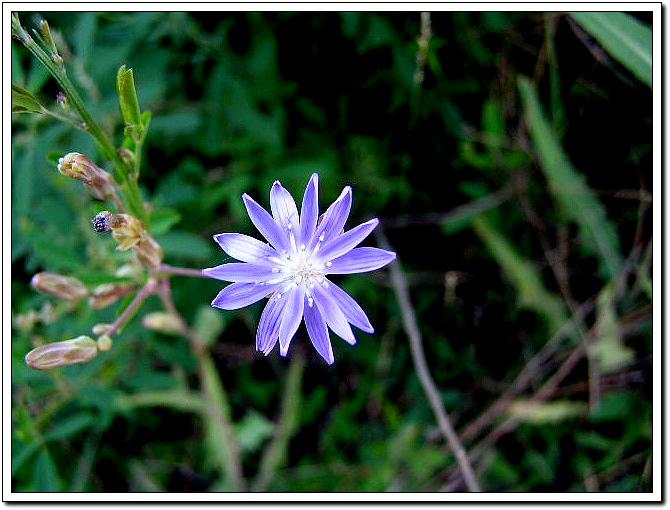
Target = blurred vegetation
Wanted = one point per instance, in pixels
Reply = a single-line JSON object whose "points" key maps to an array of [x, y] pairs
{"points": [[509, 157]]}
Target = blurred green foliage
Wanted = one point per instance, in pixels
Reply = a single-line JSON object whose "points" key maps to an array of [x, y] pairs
{"points": [[545, 150]]}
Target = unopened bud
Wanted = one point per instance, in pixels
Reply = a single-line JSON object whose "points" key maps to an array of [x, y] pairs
{"points": [[77, 166], [133, 271], [63, 101], [126, 230], [149, 252], [58, 354], [105, 343], [162, 322], [46, 35], [104, 295], [60, 286], [101, 329], [129, 232]]}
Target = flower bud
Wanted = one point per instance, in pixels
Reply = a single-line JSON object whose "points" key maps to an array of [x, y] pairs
{"points": [[101, 221], [104, 295], [63, 101], [105, 343], [60, 286], [149, 252], [101, 329], [58, 354], [129, 232], [162, 322], [77, 166]]}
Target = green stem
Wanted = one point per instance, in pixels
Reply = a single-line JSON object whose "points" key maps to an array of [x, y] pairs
{"points": [[180, 400], [121, 170], [216, 412], [276, 452], [218, 421]]}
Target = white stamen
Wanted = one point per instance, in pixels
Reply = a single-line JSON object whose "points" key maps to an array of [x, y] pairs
{"points": [[328, 264], [275, 269], [310, 302]]}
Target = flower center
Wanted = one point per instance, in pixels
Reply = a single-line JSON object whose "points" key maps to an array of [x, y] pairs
{"points": [[299, 267]]}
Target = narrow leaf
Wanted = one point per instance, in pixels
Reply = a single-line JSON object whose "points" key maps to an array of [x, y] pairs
{"points": [[130, 107], [624, 37], [569, 187]]}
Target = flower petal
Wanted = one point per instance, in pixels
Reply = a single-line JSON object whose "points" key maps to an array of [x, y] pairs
{"points": [[268, 326], [309, 213], [265, 224], [351, 310], [360, 260], [342, 244], [295, 301], [245, 248], [331, 312], [241, 272], [334, 218], [318, 332], [239, 295], [284, 209]]}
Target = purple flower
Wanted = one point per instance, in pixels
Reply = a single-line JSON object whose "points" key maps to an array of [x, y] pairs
{"points": [[292, 269]]}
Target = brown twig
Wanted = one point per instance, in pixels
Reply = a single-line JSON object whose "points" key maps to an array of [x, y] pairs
{"points": [[430, 389], [471, 208], [552, 384]]}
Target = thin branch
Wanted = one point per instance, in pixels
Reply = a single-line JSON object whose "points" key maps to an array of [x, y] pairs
{"points": [[142, 294], [525, 376], [409, 322], [181, 271], [466, 210], [549, 387]]}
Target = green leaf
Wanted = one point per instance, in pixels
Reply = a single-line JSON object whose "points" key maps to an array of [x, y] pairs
{"points": [[69, 426], [546, 412], [22, 455], [130, 107], [608, 350], [24, 102], [99, 278], [208, 324], [624, 37], [57, 256], [614, 406], [569, 187], [162, 220], [53, 157], [492, 122], [523, 275], [45, 477], [252, 430], [184, 245]]}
